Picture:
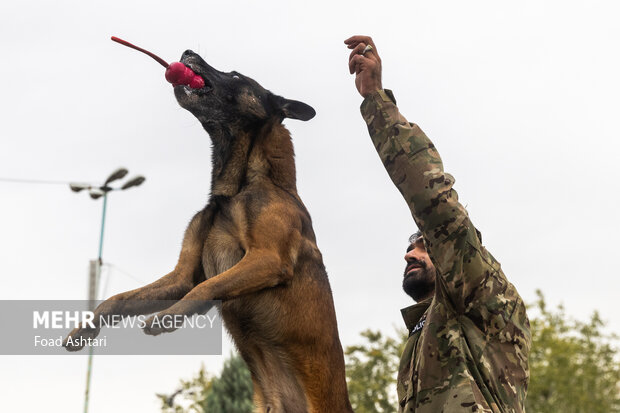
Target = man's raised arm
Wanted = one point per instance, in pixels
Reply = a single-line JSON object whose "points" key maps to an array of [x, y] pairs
{"points": [[415, 167]]}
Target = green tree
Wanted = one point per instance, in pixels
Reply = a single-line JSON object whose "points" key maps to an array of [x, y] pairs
{"points": [[574, 367], [371, 372], [231, 392], [190, 397]]}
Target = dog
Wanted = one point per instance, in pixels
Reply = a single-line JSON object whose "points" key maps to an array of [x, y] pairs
{"points": [[253, 247]]}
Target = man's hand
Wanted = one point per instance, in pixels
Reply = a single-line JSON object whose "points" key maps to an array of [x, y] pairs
{"points": [[365, 65]]}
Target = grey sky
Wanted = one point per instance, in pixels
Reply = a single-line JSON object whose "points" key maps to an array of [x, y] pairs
{"points": [[520, 98]]}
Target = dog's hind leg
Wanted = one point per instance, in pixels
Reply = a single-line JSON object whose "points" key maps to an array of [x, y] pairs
{"points": [[164, 292]]}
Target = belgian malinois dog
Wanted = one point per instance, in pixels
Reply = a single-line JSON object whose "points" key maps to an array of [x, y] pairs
{"points": [[253, 247]]}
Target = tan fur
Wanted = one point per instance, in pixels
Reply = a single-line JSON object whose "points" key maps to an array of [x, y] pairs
{"points": [[253, 247]]}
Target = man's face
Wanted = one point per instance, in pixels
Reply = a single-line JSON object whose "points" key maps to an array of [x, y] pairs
{"points": [[419, 277]]}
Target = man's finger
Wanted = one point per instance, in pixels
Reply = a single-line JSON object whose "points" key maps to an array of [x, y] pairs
{"points": [[356, 63], [370, 52], [357, 50], [352, 65], [353, 41]]}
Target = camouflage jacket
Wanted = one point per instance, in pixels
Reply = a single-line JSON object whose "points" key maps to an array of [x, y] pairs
{"points": [[468, 346]]}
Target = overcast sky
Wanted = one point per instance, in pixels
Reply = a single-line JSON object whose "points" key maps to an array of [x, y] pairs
{"points": [[520, 98]]}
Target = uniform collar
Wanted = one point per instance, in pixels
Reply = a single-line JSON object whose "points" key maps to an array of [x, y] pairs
{"points": [[413, 313]]}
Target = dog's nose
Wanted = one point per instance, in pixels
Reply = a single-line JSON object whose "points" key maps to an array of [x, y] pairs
{"points": [[188, 53]]}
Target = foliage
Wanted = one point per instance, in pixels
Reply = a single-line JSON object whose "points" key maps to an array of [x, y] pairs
{"points": [[371, 372], [573, 366], [231, 392], [190, 397]]}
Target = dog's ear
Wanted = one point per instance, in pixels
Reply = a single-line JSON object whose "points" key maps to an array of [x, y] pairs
{"points": [[294, 109]]}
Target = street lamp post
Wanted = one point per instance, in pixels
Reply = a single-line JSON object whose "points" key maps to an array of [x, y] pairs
{"points": [[96, 192]]}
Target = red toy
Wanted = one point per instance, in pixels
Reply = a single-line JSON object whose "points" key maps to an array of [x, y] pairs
{"points": [[176, 73]]}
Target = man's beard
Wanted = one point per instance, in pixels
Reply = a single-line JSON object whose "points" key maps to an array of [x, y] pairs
{"points": [[419, 284]]}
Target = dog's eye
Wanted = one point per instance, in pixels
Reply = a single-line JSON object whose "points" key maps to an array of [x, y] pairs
{"points": [[235, 77]]}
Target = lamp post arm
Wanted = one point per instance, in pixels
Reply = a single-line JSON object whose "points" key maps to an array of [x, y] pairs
{"points": [[105, 205]]}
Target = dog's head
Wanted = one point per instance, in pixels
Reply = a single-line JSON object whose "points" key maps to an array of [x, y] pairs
{"points": [[232, 99]]}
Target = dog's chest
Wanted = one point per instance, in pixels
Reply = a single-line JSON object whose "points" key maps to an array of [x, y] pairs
{"points": [[222, 248]]}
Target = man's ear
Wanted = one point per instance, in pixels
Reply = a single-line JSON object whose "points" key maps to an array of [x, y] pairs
{"points": [[294, 109]]}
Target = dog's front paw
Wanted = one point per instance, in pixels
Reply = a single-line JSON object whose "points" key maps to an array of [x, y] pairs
{"points": [[79, 337], [158, 324]]}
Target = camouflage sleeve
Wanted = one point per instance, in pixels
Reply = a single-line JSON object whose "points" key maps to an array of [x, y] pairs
{"points": [[466, 272]]}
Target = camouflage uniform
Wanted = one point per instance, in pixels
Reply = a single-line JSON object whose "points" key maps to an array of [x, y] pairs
{"points": [[468, 346]]}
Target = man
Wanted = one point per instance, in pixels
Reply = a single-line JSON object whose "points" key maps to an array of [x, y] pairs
{"points": [[469, 335]]}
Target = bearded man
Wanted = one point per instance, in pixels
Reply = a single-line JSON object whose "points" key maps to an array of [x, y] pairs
{"points": [[469, 336]]}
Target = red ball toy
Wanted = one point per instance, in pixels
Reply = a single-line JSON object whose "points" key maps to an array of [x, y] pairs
{"points": [[179, 74]]}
